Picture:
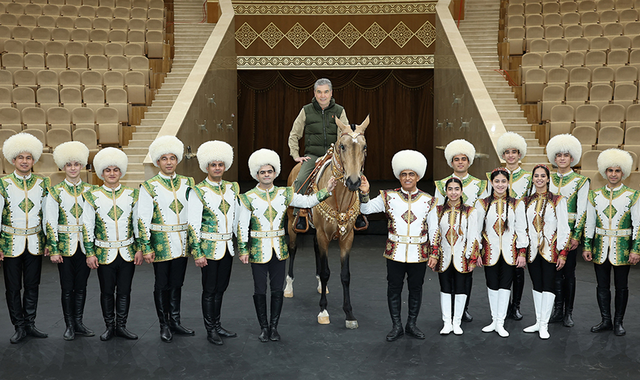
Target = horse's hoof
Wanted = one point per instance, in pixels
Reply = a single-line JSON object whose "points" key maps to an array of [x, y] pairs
{"points": [[351, 324], [320, 286], [323, 318], [288, 290]]}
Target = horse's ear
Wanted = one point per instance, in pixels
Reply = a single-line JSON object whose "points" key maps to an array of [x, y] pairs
{"points": [[362, 127], [343, 128]]}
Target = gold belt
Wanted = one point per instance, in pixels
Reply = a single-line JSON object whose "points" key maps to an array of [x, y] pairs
{"points": [[608, 232], [113, 244], [168, 227], [21, 231], [69, 229], [266, 234], [408, 239], [573, 216], [213, 236]]}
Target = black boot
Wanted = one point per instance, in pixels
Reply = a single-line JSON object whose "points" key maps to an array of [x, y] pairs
{"points": [[208, 313], [30, 305], [415, 300], [19, 335], [217, 307], [80, 328], [394, 300], [516, 295], [604, 303], [122, 313], [276, 307], [67, 307], [622, 296], [175, 297], [107, 304], [468, 284], [17, 318], [260, 303], [165, 331], [569, 297], [557, 315]]}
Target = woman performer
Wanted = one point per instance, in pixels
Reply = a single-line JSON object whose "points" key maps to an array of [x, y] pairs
{"points": [[548, 222], [453, 231], [504, 238]]}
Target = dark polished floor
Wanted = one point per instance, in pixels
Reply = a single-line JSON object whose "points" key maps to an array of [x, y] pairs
{"points": [[312, 351]]}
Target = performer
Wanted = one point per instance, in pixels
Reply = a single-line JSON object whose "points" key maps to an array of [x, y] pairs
{"points": [[504, 238], [407, 249], [565, 151], [548, 226], [453, 232], [163, 212], [612, 236], [513, 149], [460, 154], [316, 121], [261, 218], [22, 239], [213, 206], [111, 239], [63, 224]]}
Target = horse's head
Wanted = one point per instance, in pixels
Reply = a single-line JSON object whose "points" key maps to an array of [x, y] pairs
{"points": [[351, 148]]}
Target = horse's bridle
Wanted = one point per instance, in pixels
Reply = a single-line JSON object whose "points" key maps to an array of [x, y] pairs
{"points": [[337, 169]]}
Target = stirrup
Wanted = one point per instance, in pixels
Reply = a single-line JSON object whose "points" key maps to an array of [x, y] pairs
{"points": [[305, 214], [361, 228]]}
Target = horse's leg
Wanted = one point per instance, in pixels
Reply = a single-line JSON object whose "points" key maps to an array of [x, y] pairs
{"points": [[293, 248], [321, 244], [318, 274], [345, 278]]}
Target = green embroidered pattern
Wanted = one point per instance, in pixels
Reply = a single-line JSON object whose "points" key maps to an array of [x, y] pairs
{"points": [[115, 213], [176, 206], [26, 205]]}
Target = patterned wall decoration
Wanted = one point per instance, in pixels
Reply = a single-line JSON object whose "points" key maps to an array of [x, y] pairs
{"points": [[376, 34]]}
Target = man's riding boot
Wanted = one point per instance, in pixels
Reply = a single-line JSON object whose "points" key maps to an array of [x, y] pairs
{"points": [[622, 296], [122, 313], [276, 308], [260, 303], [569, 297], [106, 302], [67, 307], [217, 307], [414, 308], [175, 297], [395, 301], [165, 331], [557, 315], [30, 305], [79, 301], [208, 312], [604, 303]]}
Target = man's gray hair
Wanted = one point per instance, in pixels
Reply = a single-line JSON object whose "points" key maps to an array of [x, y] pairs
{"points": [[322, 82]]}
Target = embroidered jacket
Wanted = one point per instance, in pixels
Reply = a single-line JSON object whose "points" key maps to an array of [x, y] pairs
{"points": [[453, 233], [213, 218], [472, 189], [109, 223], [505, 229], [575, 189], [162, 216], [22, 201], [63, 217], [407, 214], [261, 220], [613, 218], [520, 182], [548, 225]]}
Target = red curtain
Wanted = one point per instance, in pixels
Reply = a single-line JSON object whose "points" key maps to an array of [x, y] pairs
{"points": [[399, 102]]}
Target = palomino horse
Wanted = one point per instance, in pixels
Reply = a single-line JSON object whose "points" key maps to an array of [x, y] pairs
{"points": [[335, 217]]}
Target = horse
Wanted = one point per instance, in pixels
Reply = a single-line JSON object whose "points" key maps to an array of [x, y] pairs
{"points": [[335, 217]]}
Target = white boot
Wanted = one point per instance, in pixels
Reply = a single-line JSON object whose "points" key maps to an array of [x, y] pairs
{"points": [[458, 310], [547, 308], [445, 305], [503, 306], [537, 305], [493, 305]]}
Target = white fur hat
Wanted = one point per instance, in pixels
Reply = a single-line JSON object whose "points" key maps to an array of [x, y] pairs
{"points": [[457, 147], [512, 140], [564, 143], [409, 160], [612, 158], [110, 157], [22, 142], [165, 145], [71, 151], [215, 151], [262, 157]]}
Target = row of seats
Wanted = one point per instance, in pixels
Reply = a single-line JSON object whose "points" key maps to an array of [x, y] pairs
{"points": [[584, 45], [94, 3], [48, 22], [69, 48], [574, 59], [599, 95], [528, 8], [608, 17], [34, 10], [610, 115]]}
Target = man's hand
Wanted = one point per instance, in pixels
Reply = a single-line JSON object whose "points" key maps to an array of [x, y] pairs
{"points": [[586, 255], [149, 257], [56, 259], [92, 262], [244, 259], [1, 256], [138, 258], [560, 263], [521, 262], [46, 251], [332, 184], [364, 185], [301, 159], [479, 261], [201, 262], [574, 244], [634, 258], [432, 263]]}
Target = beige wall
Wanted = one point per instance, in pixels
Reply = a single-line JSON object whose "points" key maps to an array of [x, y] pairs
{"points": [[462, 107], [213, 73]]}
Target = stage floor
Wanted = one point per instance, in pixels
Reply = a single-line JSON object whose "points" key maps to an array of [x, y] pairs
{"points": [[312, 351]]}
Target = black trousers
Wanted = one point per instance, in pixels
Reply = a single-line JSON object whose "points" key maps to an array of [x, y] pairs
{"points": [[452, 281], [500, 275], [396, 272], [568, 272], [169, 274], [216, 275], [275, 269], [620, 275], [74, 272], [116, 276], [543, 274], [20, 271]]}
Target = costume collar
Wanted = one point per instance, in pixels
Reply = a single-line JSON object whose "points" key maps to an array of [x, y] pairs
{"points": [[565, 174], [616, 189], [166, 176], [26, 178], [265, 191], [110, 189], [412, 193], [213, 183], [461, 179], [70, 184]]}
